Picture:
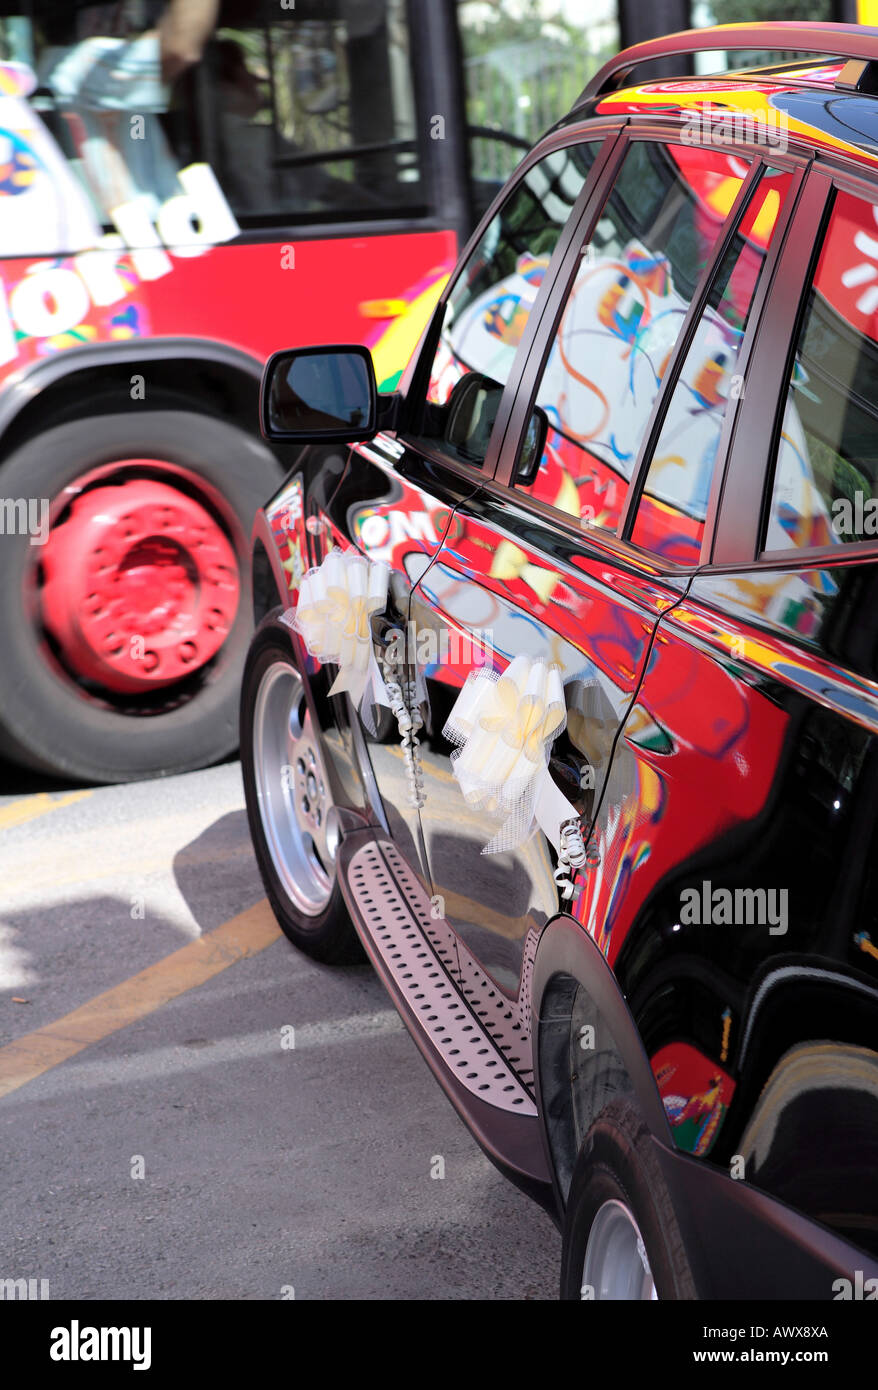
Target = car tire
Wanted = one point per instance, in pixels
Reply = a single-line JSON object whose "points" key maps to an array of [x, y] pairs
{"points": [[621, 1240], [277, 736], [54, 720]]}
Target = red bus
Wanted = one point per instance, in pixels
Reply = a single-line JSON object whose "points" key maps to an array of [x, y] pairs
{"points": [[186, 186]]}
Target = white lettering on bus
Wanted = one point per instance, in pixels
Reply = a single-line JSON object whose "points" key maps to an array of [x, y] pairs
{"points": [[52, 299]]}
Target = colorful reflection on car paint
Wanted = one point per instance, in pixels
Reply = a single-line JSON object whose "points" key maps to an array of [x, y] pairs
{"points": [[695, 1092]]}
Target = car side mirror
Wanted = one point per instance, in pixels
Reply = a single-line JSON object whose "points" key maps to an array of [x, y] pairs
{"points": [[469, 416], [323, 395], [532, 449]]}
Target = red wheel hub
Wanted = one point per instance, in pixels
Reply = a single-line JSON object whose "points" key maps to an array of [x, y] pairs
{"points": [[141, 585]]}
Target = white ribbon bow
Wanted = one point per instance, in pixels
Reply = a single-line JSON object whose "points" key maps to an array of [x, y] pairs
{"points": [[503, 725], [336, 603]]}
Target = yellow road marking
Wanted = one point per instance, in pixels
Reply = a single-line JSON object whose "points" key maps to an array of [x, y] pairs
{"points": [[38, 805], [438, 774], [29, 1056], [470, 910]]}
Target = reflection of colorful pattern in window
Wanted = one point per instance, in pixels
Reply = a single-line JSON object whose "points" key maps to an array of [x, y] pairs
{"points": [[670, 517], [19, 167], [844, 285], [612, 348]]}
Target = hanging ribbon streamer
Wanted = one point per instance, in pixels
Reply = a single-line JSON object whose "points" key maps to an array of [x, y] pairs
{"points": [[571, 856], [404, 704], [336, 603], [503, 726]]}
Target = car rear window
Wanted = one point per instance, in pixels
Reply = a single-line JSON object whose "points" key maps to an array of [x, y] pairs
{"points": [[673, 506], [825, 483], [657, 231]]}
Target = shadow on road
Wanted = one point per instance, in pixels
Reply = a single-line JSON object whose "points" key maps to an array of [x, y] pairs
{"points": [[216, 872]]}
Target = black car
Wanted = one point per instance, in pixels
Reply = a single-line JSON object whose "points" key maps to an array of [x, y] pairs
{"points": [[563, 699]]}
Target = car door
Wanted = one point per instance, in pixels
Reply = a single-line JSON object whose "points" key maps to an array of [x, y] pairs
{"points": [[543, 566], [393, 521], [399, 493]]}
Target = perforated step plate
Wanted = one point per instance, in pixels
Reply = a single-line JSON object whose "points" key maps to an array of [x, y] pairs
{"points": [[505, 1020], [419, 953]]}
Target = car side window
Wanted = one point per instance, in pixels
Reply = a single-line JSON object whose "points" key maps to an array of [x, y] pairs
{"points": [[491, 301], [673, 505], [825, 489], [627, 304]]}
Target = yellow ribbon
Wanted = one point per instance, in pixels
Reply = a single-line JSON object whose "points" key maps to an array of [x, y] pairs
{"points": [[503, 728], [523, 722], [336, 603]]}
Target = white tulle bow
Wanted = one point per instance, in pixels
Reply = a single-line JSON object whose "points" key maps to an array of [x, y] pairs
{"points": [[504, 725], [336, 603]]}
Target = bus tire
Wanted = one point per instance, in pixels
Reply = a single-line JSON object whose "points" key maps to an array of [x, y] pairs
{"points": [[54, 719]]}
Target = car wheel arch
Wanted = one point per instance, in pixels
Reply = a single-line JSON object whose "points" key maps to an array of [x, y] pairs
{"points": [[67, 386], [264, 583], [571, 984]]}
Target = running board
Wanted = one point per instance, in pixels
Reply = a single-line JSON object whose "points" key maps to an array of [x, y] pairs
{"points": [[416, 957], [418, 953]]}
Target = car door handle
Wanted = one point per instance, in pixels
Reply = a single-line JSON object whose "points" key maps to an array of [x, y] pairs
{"points": [[575, 777], [387, 627]]}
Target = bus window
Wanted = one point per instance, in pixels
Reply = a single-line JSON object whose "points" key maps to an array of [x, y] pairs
{"points": [[523, 67], [315, 111], [284, 116]]}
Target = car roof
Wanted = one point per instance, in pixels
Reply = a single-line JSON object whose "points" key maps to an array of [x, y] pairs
{"points": [[828, 103]]}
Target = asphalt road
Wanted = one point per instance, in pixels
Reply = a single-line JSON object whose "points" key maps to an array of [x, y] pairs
{"points": [[167, 1141]]}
